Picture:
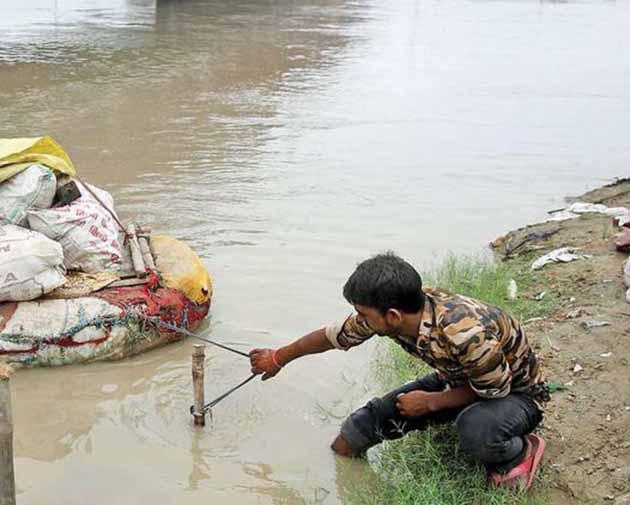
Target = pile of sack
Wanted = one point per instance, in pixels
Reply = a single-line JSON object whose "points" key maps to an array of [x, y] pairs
{"points": [[50, 222]]}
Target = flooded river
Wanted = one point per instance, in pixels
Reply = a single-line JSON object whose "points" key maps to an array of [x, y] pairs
{"points": [[286, 141]]}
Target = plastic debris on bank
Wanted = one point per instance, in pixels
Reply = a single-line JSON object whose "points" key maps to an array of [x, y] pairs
{"points": [[561, 255]]}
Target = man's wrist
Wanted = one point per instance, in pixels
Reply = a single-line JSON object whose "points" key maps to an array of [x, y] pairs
{"points": [[434, 402], [452, 398], [279, 357], [439, 400]]}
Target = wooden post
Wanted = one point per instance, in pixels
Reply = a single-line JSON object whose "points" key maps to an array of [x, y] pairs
{"points": [[7, 476], [146, 253], [198, 358], [136, 254]]}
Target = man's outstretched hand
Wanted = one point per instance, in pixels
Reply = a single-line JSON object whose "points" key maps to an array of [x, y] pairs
{"points": [[269, 362], [264, 361]]}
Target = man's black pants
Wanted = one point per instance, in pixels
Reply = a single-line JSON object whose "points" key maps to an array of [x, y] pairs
{"points": [[492, 431]]}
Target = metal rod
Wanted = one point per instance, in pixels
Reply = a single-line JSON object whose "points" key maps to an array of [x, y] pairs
{"points": [[228, 393], [183, 331]]}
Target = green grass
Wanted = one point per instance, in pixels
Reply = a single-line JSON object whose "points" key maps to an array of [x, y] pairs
{"points": [[428, 468], [485, 280]]}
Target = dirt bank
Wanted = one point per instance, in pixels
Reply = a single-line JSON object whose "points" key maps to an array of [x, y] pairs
{"points": [[588, 424]]}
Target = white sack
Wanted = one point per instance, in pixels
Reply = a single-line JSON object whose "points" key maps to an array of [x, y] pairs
{"points": [[86, 231], [578, 208], [31, 265], [597, 208], [562, 255], [31, 189]]}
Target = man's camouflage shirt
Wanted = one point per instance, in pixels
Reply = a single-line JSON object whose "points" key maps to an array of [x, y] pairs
{"points": [[468, 342]]}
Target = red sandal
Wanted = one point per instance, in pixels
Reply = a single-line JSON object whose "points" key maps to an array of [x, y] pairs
{"points": [[523, 474]]}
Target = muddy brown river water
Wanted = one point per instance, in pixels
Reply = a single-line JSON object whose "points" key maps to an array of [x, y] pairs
{"points": [[286, 141]]}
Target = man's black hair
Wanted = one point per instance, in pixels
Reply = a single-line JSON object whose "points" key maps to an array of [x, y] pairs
{"points": [[385, 282]]}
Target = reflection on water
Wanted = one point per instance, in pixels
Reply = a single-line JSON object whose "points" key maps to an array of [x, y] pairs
{"points": [[287, 141], [71, 31]]}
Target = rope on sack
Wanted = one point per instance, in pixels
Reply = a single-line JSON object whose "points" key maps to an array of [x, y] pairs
{"points": [[96, 197]]}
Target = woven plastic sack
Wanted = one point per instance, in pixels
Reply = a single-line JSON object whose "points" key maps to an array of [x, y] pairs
{"points": [[86, 231], [32, 189], [31, 265]]}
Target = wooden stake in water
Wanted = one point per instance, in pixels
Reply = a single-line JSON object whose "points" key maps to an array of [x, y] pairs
{"points": [[198, 358], [7, 476]]}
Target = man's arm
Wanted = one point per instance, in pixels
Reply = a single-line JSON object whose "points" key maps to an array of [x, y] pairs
{"points": [[270, 361], [312, 343], [420, 403], [350, 333]]}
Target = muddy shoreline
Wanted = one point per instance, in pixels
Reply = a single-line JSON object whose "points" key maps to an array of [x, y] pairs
{"points": [[588, 420]]}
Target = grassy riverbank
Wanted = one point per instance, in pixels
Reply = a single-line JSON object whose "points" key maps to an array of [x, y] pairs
{"points": [[428, 468]]}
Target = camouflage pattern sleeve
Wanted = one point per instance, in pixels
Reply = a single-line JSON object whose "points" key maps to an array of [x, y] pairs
{"points": [[485, 365], [349, 333]]}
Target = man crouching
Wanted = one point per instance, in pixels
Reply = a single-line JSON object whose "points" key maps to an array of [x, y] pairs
{"points": [[487, 379]]}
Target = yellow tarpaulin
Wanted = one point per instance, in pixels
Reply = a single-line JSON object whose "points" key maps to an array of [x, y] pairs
{"points": [[17, 154]]}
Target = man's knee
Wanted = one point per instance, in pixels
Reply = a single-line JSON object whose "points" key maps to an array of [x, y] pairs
{"points": [[341, 447], [361, 430], [379, 419], [477, 435], [481, 435]]}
